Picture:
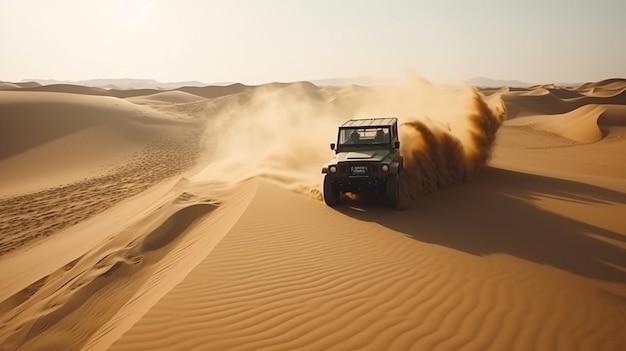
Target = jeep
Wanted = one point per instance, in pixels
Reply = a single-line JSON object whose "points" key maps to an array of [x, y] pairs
{"points": [[367, 159]]}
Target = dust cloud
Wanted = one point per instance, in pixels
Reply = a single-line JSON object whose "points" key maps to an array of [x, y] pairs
{"points": [[282, 131], [438, 155], [279, 132]]}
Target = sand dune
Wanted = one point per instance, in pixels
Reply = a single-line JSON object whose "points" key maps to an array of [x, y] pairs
{"points": [[606, 93], [385, 283], [5, 85], [613, 83], [151, 250], [67, 88], [174, 97], [580, 125], [548, 101], [84, 90], [65, 157], [27, 84], [206, 92], [191, 219]]}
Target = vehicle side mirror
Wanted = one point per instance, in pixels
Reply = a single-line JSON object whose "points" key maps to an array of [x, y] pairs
{"points": [[396, 144], [332, 146]]}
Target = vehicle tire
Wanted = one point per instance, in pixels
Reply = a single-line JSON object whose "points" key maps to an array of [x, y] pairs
{"points": [[391, 192], [331, 194]]}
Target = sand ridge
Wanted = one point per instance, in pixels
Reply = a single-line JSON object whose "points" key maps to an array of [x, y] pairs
{"points": [[150, 250]]}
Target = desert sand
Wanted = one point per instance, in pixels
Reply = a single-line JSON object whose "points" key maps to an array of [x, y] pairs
{"points": [[192, 219]]}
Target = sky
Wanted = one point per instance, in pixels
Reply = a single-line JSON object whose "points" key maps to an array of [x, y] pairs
{"points": [[260, 41]]}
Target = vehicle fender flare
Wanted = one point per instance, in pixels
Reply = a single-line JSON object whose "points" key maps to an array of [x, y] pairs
{"points": [[395, 167]]}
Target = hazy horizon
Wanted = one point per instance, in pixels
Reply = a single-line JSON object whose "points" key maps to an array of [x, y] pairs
{"points": [[258, 42]]}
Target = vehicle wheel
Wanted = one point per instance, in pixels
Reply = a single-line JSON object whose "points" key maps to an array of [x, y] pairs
{"points": [[391, 193], [331, 194]]}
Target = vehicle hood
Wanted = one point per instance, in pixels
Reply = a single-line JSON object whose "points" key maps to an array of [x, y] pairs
{"points": [[365, 155]]}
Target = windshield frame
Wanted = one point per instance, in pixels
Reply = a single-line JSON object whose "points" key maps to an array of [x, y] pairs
{"points": [[368, 137]]}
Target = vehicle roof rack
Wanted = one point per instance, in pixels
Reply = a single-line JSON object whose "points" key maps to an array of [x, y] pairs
{"points": [[370, 122]]}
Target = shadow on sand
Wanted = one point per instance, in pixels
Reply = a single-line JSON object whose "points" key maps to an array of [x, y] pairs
{"points": [[495, 213]]}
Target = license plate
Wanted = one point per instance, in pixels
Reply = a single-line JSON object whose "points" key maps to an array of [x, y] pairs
{"points": [[358, 170]]}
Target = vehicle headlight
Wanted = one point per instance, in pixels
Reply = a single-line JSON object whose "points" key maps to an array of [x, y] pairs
{"points": [[333, 169], [385, 168]]}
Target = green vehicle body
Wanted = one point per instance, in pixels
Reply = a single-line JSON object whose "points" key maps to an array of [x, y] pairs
{"points": [[367, 159]]}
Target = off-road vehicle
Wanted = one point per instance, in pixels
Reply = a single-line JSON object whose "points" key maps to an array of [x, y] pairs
{"points": [[367, 159]]}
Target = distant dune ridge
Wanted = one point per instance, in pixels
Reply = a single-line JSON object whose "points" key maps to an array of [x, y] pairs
{"points": [[190, 218], [122, 83]]}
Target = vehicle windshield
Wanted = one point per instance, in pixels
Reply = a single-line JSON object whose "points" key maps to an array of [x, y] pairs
{"points": [[364, 136]]}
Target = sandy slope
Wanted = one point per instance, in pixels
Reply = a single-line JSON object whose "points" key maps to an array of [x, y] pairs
{"points": [[285, 279], [112, 278], [529, 254], [65, 157]]}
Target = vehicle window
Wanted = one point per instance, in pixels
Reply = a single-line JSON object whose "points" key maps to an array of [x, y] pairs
{"points": [[364, 136]]}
